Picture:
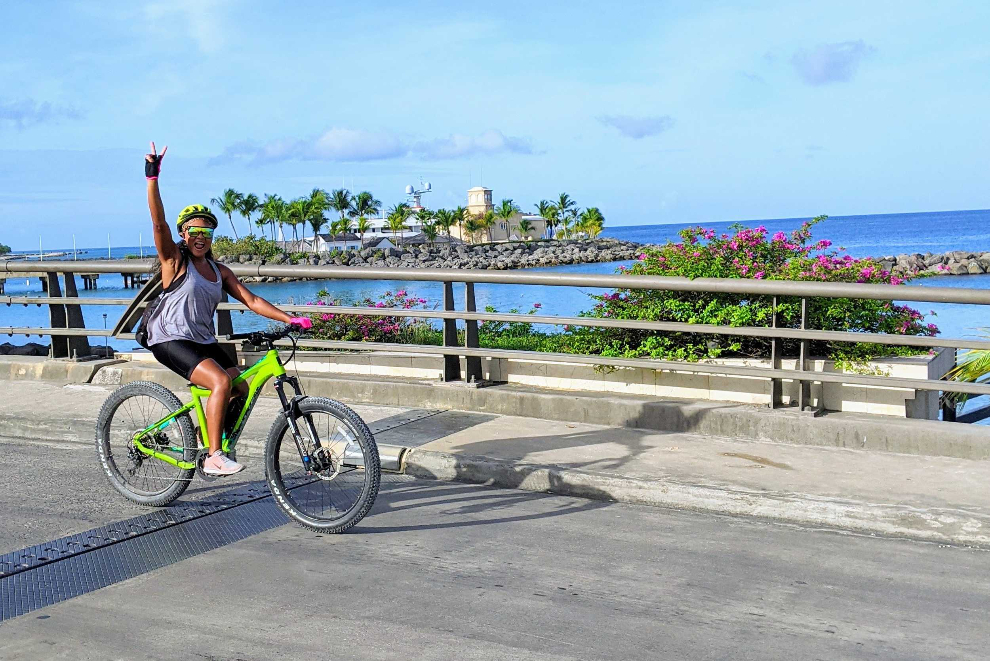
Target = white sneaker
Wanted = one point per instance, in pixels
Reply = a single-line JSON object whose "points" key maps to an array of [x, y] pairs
{"points": [[220, 464]]}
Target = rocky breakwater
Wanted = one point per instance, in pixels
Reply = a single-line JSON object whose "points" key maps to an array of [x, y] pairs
{"points": [[957, 262], [488, 256]]}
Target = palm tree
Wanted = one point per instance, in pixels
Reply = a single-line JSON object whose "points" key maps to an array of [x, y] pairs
{"points": [[565, 224], [552, 216], [525, 227], [229, 202], [430, 231], [592, 222], [396, 221], [363, 225], [444, 220], [340, 227], [279, 215], [487, 223], [543, 210], [268, 213], [340, 200], [565, 204], [297, 215], [316, 221], [460, 215], [472, 226], [318, 203], [505, 211], [365, 204], [973, 368], [249, 204]]}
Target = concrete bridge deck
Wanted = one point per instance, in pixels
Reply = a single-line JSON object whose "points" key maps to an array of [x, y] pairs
{"points": [[443, 569]]}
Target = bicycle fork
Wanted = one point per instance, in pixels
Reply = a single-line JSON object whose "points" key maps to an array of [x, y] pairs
{"points": [[292, 414]]}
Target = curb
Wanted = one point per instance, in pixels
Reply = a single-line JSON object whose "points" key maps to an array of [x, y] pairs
{"points": [[942, 525]]}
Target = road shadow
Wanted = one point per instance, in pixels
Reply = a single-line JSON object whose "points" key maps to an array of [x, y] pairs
{"points": [[666, 418], [486, 505]]}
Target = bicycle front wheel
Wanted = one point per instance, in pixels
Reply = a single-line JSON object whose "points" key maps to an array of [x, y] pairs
{"points": [[332, 483]]}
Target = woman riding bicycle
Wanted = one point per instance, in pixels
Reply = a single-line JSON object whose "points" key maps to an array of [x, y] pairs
{"points": [[180, 332]]}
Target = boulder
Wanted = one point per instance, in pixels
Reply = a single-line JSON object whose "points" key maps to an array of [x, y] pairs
{"points": [[958, 268], [29, 349], [974, 267]]}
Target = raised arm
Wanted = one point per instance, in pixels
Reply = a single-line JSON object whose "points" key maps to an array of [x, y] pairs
{"points": [[168, 252]]}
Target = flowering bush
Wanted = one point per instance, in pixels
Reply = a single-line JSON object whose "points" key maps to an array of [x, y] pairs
{"points": [[747, 253], [369, 328]]}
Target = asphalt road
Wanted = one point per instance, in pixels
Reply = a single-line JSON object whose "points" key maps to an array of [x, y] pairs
{"points": [[456, 571]]}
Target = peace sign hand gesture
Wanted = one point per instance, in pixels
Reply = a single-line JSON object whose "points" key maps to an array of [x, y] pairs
{"points": [[153, 162]]}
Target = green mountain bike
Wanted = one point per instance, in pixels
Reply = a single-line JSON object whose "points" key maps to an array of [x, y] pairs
{"points": [[321, 461]]}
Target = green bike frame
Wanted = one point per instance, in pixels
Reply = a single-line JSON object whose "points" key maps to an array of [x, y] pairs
{"points": [[255, 376]]}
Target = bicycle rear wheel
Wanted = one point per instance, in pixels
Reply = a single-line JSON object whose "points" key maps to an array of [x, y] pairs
{"points": [[139, 477], [339, 484]]}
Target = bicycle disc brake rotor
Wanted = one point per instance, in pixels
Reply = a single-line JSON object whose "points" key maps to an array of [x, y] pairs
{"points": [[327, 466]]}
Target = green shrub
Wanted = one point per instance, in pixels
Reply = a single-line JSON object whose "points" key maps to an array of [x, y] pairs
{"points": [[4, 249], [224, 246]]}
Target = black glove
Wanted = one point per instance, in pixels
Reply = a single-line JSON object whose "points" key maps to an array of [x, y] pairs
{"points": [[152, 167]]}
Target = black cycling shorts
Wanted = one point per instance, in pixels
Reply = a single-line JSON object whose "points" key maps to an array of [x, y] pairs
{"points": [[182, 356]]}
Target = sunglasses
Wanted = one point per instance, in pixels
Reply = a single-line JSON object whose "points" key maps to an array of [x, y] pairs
{"points": [[205, 232]]}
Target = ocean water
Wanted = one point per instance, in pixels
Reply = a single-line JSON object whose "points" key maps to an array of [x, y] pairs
{"points": [[875, 235], [862, 236]]}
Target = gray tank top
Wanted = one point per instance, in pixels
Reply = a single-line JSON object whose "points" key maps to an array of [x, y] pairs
{"points": [[186, 312]]}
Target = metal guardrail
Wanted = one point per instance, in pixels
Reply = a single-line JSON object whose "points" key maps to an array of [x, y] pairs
{"points": [[473, 353]]}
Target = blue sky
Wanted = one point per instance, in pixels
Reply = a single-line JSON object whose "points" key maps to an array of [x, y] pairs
{"points": [[655, 112]]}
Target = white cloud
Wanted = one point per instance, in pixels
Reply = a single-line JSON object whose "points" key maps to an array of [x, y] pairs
{"points": [[459, 146], [350, 145], [27, 112], [638, 127], [831, 63]]}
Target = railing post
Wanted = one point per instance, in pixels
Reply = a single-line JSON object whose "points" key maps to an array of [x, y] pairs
{"points": [[776, 384], [224, 327], [451, 362], [56, 315], [77, 345], [804, 389], [474, 372]]}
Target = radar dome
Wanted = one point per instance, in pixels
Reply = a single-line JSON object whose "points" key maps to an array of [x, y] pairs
{"points": [[429, 186], [409, 190]]}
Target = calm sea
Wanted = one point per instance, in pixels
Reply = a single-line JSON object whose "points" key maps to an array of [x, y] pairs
{"points": [[862, 236], [874, 235]]}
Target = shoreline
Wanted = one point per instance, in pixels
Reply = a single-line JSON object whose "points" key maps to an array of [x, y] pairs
{"points": [[488, 256], [954, 262]]}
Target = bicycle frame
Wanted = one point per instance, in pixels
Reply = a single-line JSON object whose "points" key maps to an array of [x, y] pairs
{"points": [[255, 376]]}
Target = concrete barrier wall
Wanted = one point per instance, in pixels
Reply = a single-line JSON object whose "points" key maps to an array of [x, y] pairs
{"points": [[898, 402]]}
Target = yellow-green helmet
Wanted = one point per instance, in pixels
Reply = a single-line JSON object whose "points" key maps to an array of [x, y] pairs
{"points": [[195, 211]]}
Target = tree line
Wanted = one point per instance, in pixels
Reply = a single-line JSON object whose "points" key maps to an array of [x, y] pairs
{"points": [[356, 211]]}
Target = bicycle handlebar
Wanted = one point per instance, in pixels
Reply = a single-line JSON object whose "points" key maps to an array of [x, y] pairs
{"points": [[257, 337]]}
